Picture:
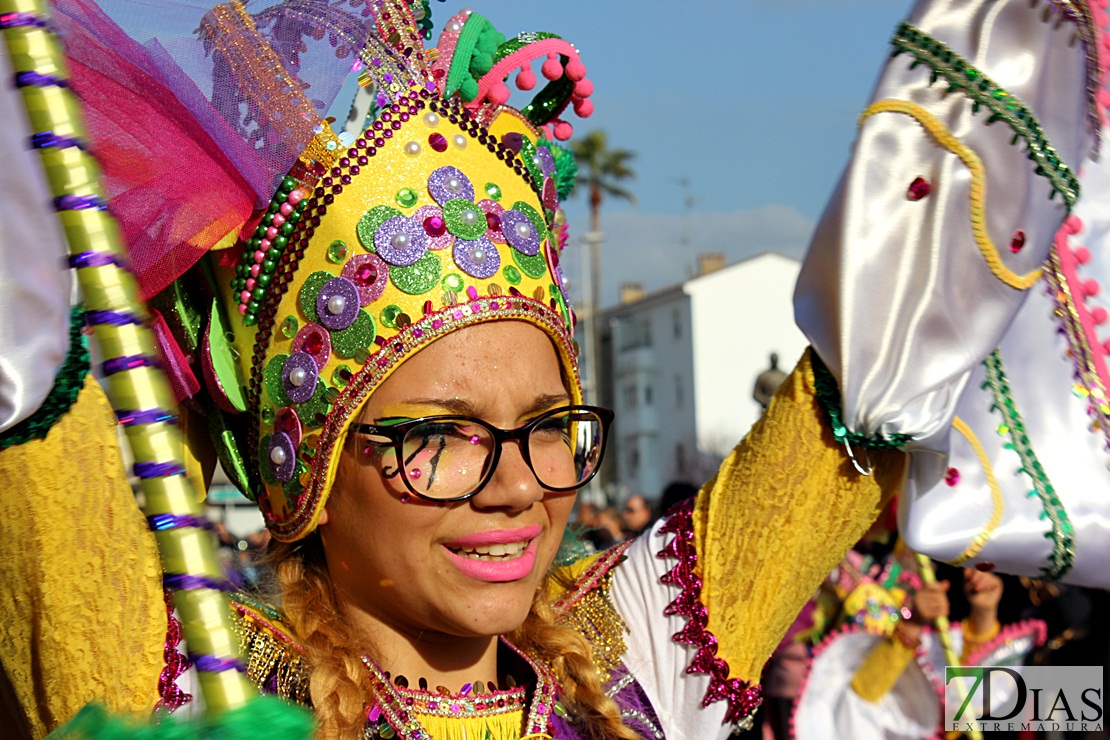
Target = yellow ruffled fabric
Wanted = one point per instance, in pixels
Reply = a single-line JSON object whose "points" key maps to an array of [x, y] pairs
{"points": [[81, 611], [881, 669], [505, 726], [779, 515]]}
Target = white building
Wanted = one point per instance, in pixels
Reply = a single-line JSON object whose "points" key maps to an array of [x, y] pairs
{"points": [[679, 366]]}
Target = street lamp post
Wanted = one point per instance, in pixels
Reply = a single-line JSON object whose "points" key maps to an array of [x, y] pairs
{"points": [[591, 389]]}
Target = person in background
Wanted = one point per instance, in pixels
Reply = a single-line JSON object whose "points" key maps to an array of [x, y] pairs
{"points": [[636, 515]]}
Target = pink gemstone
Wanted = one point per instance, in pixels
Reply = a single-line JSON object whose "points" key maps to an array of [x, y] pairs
{"points": [[285, 209], [271, 232], [427, 307], [366, 274], [296, 197], [251, 282], [438, 142], [919, 188], [435, 226], [952, 477], [493, 221], [255, 269], [314, 343], [278, 219], [245, 296], [259, 256], [265, 244], [472, 292], [1018, 242], [242, 308], [286, 420]]}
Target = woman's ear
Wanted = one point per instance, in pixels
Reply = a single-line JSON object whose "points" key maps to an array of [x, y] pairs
{"points": [[323, 517]]}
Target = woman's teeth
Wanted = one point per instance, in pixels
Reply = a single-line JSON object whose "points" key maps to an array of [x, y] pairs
{"points": [[492, 552]]}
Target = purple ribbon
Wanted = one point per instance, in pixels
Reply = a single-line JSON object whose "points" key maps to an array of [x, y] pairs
{"points": [[147, 470], [16, 20], [166, 522], [115, 318], [212, 664], [49, 139], [127, 362], [144, 416], [78, 203], [94, 259], [185, 582], [37, 79]]}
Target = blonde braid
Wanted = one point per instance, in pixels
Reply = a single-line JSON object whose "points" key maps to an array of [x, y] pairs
{"points": [[339, 685], [570, 657]]}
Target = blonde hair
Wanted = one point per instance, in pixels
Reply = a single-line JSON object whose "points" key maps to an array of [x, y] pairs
{"points": [[339, 683]]}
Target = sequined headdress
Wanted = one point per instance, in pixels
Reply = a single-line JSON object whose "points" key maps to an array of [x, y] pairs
{"points": [[442, 213]]}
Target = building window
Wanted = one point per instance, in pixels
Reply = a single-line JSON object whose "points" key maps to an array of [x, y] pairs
{"points": [[679, 391], [676, 318], [679, 458], [647, 395]]}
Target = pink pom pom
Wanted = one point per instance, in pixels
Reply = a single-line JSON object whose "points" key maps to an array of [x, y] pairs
{"points": [[255, 269], [244, 296], [1106, 347], [272, 232], [285, 209], [1099, 315], [296, 197], [1082, 255], [1073, 224], [259, 256], [498, 94], [526, 80], [584, 108], [551, 68], [1104, 95], [242, 308], [583, 88], [278, 219], [576, 70], [563, 130], [250, 284], [1090, 287]]}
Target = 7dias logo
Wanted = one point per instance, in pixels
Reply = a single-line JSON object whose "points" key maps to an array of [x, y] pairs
{"points": [[1029, 698]]}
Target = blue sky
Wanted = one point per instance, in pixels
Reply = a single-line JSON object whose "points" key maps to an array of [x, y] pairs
{"points": [[754, 102]]}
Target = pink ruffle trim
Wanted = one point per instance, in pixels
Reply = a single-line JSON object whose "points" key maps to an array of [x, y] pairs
{"points": [[742, 697], [172, 697]]}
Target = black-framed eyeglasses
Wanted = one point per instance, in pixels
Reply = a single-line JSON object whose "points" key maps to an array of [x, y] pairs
{"points": [[451, 458]]}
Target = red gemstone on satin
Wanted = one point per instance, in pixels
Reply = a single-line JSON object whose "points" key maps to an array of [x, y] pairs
{"points": [[1018, 242], [438, 142], [919, 188], [435, 226], [952, 477], [493, 221], [366, 274], [985, 567]]}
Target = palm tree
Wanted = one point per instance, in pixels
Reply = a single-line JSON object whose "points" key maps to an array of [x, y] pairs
{"points": [[600, 172]]}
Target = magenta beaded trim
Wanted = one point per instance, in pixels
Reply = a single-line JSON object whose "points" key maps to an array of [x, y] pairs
{"points": [[381, 363], [742, 697], [171, 696], [593, 575]]}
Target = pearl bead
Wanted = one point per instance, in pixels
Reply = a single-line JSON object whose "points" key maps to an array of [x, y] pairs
{"points": [[454, 184], [524, 231], [336, 304], [454, 26], [460, 141], [297, 377], [479, 256], [400, 240], [469, 217], [412, 148], [277, 455], [431, 119]]}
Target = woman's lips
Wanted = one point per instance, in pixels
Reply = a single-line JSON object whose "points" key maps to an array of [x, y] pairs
{"points": [[496, 556]]}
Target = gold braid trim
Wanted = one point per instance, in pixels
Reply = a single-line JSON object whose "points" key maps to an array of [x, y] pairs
{"points": [[270, 652], [992, 483], [587, 608]]}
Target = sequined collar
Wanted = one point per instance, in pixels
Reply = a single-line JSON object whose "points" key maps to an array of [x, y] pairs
{"points": [[398, 707]]}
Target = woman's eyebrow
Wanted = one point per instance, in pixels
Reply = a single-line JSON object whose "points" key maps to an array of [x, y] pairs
{"points": [[462, 407]]}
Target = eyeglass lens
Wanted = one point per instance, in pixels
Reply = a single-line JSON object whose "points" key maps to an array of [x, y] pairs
{"points": [[448, 458]]}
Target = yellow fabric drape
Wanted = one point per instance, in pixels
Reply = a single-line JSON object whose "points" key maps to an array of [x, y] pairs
{"points": [[81, 611], [781, 512]]}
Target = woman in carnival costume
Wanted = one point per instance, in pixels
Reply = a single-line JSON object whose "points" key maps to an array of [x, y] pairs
{"points": [[370, 330]]}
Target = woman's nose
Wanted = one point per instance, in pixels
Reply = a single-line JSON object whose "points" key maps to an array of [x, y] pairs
{"points": [[513, 485]]}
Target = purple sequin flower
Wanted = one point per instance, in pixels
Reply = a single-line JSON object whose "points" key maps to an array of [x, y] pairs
{"points": [[282, 456], [544, 160], [298, 376], [337, 304], [370, 275], [401, 241], [520, 232], [477, 258], [448, 183]]}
